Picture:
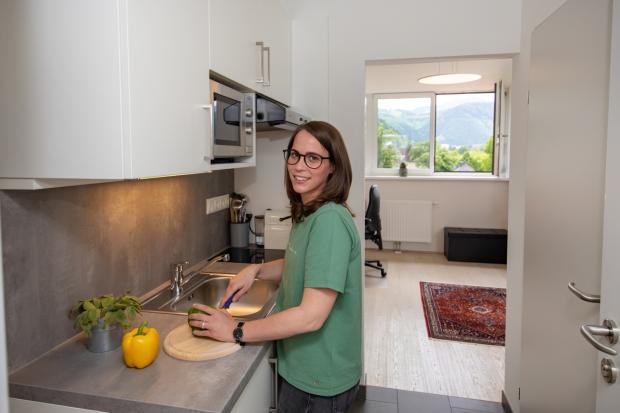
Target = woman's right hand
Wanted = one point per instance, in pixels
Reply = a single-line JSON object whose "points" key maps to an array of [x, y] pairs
{"points": [[240, 283]]}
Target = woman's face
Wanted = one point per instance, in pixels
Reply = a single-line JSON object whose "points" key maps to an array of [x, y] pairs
{"points": [[308, 182]]}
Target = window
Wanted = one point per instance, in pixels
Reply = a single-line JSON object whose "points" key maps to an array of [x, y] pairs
{"points": [[434, 133], [464, 137], [404, 131]]}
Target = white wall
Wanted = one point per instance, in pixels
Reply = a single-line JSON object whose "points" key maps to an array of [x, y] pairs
{"points": [[533, 12], [310, 78], [482, 204], [399, 77], [363, 30], [366, 30], [265, 184], [462, 202]]}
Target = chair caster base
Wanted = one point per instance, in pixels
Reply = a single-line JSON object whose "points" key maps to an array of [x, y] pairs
{"points": [[377, 266]]}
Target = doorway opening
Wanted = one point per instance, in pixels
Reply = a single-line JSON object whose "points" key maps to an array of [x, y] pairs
{"points": [[441, 152]]}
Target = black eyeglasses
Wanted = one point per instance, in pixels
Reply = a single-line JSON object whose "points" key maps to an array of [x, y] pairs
{"points": [[313, 160]]}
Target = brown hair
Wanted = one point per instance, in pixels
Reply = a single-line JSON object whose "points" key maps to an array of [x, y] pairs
{"points": [[338, 182]]}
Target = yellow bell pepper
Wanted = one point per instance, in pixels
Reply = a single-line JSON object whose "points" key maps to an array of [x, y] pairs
{"points": [[140, 346]]}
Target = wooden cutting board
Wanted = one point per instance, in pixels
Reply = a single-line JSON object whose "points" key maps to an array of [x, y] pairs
{"points": [[181, 344]]}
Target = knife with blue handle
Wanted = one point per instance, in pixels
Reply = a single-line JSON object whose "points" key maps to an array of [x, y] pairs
{"points": [[230, 300]]}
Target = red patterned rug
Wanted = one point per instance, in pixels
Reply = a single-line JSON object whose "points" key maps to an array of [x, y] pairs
{"points": [[464, 313]]}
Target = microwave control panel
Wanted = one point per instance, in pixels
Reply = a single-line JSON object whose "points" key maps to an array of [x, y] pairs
{"points": [[249, 115]]}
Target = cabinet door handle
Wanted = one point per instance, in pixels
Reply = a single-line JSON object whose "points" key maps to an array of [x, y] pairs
{"points": [[261, 62], [274, 361], [267, 82], [209, 138]]}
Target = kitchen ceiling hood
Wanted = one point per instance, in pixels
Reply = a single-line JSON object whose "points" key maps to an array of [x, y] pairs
{"points": [[272, 115]]}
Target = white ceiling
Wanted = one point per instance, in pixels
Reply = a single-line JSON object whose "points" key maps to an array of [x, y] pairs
{"points": [[394, 77]]}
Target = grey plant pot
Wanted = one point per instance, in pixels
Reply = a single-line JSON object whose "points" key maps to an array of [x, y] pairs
{"points": [[102, 340]]}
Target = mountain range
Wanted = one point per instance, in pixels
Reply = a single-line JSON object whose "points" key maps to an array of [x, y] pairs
{"points": [[464, 124]]}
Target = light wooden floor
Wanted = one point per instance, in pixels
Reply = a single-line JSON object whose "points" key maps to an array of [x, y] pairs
{"points": [[398, 352]]}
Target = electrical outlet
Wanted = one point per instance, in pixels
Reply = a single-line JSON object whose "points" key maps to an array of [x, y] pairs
{"points": [[216, 204]]}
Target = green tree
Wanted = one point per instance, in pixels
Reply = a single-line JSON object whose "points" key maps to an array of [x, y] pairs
{"points": [[419, 154], [488, 147], [388, 157], [388, 154], [481, 160], [446, 160]]}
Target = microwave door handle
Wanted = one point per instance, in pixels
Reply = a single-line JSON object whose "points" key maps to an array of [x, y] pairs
{"points": [[261, 62], [208, 154]]}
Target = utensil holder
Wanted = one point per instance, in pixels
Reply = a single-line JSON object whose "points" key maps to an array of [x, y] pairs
{"points": [[239, 234]]}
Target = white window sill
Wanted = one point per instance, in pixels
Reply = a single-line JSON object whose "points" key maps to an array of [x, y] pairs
{"points": [[477, 178]]}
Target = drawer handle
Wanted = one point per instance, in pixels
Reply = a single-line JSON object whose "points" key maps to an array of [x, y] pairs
{"points": [[274, 362]]}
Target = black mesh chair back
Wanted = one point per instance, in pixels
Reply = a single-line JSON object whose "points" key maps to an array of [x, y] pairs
{"points": [[373, 226], [373, 219]]}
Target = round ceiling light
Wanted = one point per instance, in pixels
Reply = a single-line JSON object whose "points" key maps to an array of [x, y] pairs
{"points": [[449, 79]]}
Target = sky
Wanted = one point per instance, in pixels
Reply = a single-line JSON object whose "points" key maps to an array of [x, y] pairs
{"points": [[443, 101]]}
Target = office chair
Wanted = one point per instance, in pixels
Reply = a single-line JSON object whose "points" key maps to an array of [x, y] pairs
{"points": [[373, 226]]}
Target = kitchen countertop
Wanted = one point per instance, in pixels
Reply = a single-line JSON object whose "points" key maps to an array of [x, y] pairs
{"points": [[73, 376]]}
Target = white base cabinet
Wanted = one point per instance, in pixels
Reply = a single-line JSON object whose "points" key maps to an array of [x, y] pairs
{"points": [[103, 90], [29, 406], [260, 394]]}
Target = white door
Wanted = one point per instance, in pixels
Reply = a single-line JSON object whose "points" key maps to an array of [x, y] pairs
{"points": [[608, 395], [572, 214]]}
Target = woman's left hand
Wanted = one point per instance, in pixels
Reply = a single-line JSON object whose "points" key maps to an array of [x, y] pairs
{"points": [[218, 324]]}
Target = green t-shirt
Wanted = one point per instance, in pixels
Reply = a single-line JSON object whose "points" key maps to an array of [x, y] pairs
{"points": [[324, 252]]}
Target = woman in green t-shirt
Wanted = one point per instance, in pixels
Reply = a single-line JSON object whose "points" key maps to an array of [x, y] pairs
{"points": [[318, 317]]}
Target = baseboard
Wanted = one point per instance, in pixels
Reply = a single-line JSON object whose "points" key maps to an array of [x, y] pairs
{"points": [[505, 404]]}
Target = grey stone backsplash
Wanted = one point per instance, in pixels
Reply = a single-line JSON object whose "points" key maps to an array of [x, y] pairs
{"points": [[65, 244]]}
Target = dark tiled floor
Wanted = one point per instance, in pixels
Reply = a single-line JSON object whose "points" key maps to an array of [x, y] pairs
{"points": [[383, 400]]}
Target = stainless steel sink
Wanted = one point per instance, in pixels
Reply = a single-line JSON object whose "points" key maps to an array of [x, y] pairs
{"points": [[209, 289]]}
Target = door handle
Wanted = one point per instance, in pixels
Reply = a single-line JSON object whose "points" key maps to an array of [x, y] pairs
{"points": [[609, 329], [591, 298]]}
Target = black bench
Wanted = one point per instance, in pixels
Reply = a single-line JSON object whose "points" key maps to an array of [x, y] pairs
{"points": [[475, 244]]}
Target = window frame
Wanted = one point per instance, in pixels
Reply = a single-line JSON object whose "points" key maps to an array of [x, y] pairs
{"points": [[372, 143], [493, 170], [374, 123]]}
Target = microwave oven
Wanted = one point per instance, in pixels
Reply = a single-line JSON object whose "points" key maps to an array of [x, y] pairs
{"points": [[233, 122]]}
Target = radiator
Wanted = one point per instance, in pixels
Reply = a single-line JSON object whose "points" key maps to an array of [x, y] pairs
{"points": [[406, 221]]}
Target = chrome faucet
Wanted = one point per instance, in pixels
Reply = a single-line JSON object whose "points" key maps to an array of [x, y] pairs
{"points": [[223, 257], [176, 279]]}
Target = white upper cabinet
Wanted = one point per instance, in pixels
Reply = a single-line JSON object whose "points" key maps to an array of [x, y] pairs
{"points": [[103, 90], [168, 55], [236, 28]]}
